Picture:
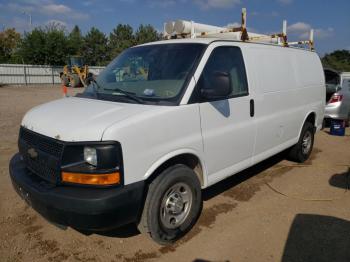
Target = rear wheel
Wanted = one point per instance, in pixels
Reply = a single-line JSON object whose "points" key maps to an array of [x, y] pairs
{"points": [[173, 205], [302, 150]]}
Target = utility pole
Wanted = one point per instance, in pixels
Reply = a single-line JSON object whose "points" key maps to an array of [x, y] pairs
{"points": [[30, 18]]}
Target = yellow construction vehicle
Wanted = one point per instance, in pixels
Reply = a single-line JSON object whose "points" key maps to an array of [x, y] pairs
{"points": [[75, 73]]}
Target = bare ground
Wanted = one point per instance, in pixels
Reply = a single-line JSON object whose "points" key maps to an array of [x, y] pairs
{"points": [[275, 211]]}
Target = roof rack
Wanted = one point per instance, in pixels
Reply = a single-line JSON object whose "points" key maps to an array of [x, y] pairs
{"points": [[190, 29]]}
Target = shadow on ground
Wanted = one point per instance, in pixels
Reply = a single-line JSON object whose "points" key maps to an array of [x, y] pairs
{"points": [[242, 176], [121, 232], [317, 238], [340, 180]]}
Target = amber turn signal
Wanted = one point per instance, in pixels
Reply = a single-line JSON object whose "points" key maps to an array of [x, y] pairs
{"points": [[91, 179]]}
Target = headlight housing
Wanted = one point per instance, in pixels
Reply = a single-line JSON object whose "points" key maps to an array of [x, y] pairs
{"points": [[90, 155], [92, 163]]}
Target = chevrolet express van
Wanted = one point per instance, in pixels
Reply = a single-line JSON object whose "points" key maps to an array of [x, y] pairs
{"points": [[162, 122]]}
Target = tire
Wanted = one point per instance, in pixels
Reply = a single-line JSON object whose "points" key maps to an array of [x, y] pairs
{"points": [[75, 81], [64, 80], [301, 151], [173, 205]]}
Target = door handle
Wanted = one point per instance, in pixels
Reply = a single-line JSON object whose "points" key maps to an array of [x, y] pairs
{"points": [[252, 107]]}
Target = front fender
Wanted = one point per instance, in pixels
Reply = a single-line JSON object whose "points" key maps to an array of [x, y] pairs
{"points": [[173, 154]]}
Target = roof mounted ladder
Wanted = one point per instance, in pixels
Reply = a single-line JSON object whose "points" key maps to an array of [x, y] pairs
{"points": [[190, 29]]}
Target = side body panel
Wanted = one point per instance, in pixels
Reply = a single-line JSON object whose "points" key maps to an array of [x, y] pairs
{"points": [[151, 138], [290, 87]]}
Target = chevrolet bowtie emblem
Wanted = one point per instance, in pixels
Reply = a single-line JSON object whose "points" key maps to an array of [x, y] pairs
{"points": [[32, 153]]}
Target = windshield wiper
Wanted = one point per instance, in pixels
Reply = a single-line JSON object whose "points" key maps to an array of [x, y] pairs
{"points": [[127, 94]]}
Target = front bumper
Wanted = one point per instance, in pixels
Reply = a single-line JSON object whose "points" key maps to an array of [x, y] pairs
{"points": [[83, 208]]}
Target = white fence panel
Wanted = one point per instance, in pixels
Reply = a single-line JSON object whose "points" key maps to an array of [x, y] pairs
{"points": [[34, 74]]}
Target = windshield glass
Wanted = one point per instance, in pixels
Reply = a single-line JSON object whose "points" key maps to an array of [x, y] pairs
{"points": [[78, 61], [151, 73]]}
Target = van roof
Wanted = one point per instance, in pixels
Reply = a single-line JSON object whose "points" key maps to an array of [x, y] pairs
{"points": [[207, 41]]}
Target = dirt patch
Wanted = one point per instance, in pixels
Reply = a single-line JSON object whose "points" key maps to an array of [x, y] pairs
{"points": [[44, 246], [138, 256], [80, 256], [313, 156], [24, 220], [32, 229], [248, 188], [59, 257], [206, 220], [209, 215], [243, 191]]}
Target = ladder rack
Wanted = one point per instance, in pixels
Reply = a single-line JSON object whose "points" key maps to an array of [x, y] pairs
{"points": [[190, 29]]}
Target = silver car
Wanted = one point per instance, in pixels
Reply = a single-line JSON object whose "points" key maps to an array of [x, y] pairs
{"points": [[338, 106]]}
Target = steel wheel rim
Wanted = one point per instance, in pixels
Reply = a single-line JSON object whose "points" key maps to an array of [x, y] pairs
{"points": [[306, 143], [176, 205]]}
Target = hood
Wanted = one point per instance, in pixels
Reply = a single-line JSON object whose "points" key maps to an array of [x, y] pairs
{"points": [[79, 119]]}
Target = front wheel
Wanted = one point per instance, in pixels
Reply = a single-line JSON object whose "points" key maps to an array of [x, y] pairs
{"points": [[173, 205], [302, 150]]}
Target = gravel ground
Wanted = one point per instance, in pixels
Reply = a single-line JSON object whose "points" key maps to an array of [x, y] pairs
{"points": [[274, 211]]}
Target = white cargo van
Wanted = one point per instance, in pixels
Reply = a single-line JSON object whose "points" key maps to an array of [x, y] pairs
{"points": [[163, 121]]}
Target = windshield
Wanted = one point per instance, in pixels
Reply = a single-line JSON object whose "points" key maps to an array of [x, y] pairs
{"points": [[78, 61], [150, 73]]}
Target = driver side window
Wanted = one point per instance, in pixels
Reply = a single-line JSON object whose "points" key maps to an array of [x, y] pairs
{"points": [[226, 59]]}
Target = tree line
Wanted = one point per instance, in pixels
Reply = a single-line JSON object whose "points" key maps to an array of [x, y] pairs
{"points": [[338, 60], [51, 45]]}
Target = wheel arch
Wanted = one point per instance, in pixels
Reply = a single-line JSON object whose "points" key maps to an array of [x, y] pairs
{"points": [[186, 157], [310, 117]]}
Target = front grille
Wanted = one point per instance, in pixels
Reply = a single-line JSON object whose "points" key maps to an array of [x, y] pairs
{"points": [[43, 143], [41, 154]]}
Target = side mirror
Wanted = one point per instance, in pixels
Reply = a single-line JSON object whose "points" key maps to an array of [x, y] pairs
{"points": [[218, 86]]}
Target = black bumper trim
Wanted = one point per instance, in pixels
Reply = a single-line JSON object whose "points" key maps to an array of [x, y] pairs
{"points": [[78, 207]]}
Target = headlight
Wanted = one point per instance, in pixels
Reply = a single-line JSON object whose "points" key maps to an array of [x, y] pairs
{"points": [[92, 163], [90, 155]]}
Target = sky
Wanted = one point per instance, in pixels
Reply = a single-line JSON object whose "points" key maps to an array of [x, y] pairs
{"points": [[329, 19]]}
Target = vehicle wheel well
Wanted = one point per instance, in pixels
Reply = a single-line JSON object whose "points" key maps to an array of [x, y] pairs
{"points": [[188, 160], [311, 118]]}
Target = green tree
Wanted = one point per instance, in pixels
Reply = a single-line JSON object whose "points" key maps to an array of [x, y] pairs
{"points": [[120, 38], [44, 46], [56, 45], [32, 49], [95, 47], [145, 34], [338, 60], [9, 41], [75, 41]]}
